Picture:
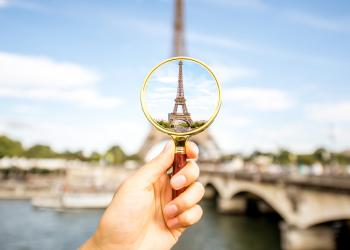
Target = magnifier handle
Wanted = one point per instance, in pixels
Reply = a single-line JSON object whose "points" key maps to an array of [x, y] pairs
{"points": [[178, 164]]}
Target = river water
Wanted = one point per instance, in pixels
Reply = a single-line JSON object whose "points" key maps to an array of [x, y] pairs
{"points": [[25, 228]]}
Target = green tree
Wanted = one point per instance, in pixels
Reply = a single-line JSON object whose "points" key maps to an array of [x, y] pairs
{"points": [[40, 151], [77, 155], [95, 156], [115, 155], [343, 159], [322, 155], [164, 123], [134, 157], [10, 147], [198, 124], [305, 159], [283, 157]]}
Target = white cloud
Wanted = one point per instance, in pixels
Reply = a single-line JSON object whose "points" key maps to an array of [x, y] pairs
{"points": [[233, 120], [259, 98], [166, 79], [298, 136], [251, 4], [227, 73], [215, 41], [23, 109], [4, 3], [42, 78], [239, 121], [317, 22], [23, 4], [330, 112], [79, 135], [20, 70]]}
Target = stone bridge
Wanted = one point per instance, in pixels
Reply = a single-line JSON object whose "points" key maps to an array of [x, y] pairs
{"points": [[305, 204]]}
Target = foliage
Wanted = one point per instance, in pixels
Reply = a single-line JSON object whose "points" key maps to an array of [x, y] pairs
{"points": [[95, 157], [134, 157], [164, 124], [40, 151], [71, 155], [198, 124], [227, 157], [305, 159], [283, 157], [10, 147], [195, 124], [115, 155]]}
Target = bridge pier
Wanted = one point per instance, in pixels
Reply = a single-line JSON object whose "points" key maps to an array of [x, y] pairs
{"points": [[314, 238], [236, 205], [210, 192]]}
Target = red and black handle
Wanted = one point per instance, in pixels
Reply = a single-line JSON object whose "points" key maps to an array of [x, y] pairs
{"points": [[180, 158]]}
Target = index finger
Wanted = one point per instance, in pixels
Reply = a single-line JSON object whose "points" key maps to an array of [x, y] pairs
{"points": [[192, 150]]}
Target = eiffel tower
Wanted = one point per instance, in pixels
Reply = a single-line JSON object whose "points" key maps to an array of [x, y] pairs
{"points": [[180, 101], [209, 150]]}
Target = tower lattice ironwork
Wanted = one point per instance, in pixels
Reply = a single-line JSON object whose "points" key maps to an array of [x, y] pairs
{"points": [[179, 48], [210, 151], [180, 101]]}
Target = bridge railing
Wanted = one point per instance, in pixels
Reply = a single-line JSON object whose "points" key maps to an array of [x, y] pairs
{"points": [[324, 182]]}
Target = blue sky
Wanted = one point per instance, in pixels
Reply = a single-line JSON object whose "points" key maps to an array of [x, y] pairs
{"points": [[71, 71]]}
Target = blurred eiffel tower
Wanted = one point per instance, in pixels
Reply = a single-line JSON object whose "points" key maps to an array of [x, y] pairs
{"points": [[209, 150]]}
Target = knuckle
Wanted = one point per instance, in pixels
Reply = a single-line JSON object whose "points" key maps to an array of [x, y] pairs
{"points": [[186, 202], [192, 196]]}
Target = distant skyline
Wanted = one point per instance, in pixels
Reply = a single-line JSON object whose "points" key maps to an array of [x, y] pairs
{"points": [[71, 71]]}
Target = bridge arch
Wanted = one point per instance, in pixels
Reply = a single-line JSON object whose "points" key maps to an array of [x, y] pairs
{"points": [[216, 184], [263, 197], [276, 198], [211, 191]]}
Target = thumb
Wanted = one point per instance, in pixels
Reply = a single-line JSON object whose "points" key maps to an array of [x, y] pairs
{"points": [[153, 170]]}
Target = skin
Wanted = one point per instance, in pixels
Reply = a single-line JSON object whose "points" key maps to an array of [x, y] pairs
{"points": [[142, 214]]}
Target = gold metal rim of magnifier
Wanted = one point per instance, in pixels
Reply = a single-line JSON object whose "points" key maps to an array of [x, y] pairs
{"points": [[153, 121]]}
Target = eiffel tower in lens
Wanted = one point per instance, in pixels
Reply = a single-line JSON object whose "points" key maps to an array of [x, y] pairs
{"points": [[180, 101], [209, 150]]}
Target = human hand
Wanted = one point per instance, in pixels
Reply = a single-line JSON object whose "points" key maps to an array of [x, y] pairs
{"points": [[142, 214]]}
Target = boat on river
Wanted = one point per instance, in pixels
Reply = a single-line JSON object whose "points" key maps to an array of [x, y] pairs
{"points": [[69, 200]]}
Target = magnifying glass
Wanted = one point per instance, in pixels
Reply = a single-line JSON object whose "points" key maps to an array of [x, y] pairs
{"points": [[181, 97]]}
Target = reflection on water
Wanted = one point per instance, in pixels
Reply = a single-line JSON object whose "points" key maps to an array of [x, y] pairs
{"points": [[23, 227], [227, 232]]}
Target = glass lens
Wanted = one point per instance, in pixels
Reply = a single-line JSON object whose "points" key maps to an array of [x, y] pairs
{"points": [[181, 96]]}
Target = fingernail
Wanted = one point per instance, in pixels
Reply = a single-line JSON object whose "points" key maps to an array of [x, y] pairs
{"points": [[196, 149], [178, 181], [173, 222], [170, 210]]}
